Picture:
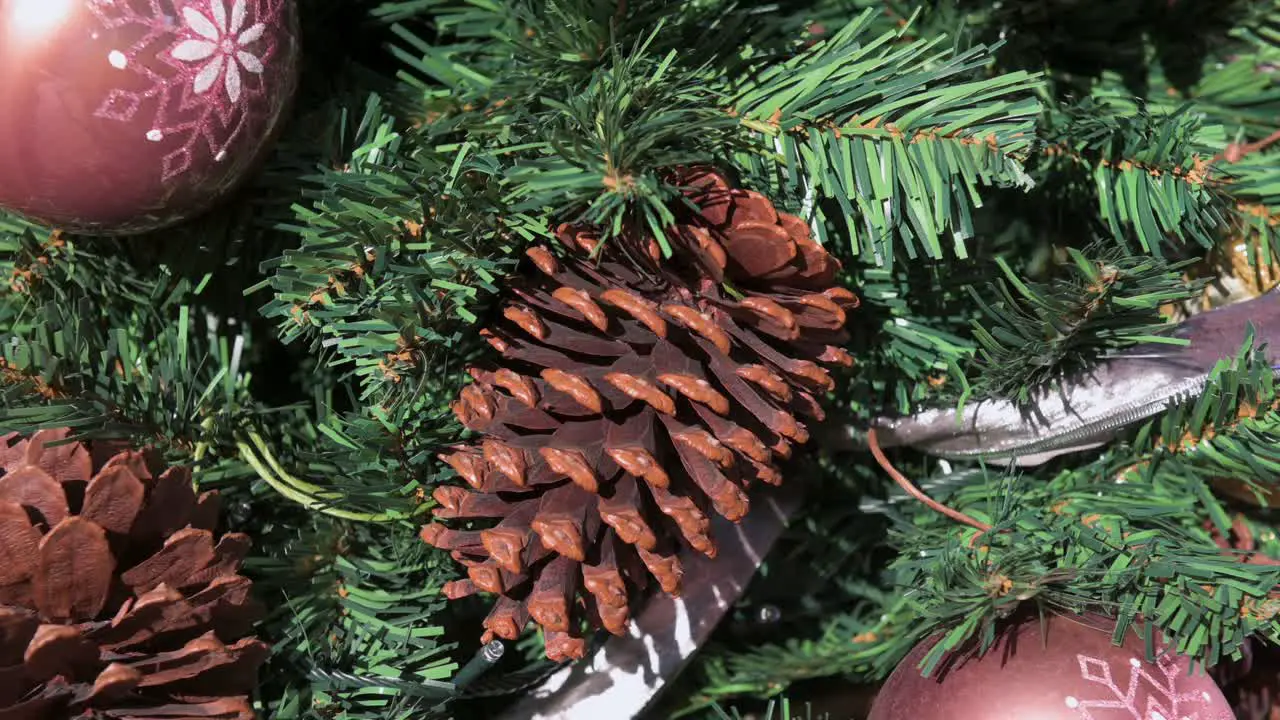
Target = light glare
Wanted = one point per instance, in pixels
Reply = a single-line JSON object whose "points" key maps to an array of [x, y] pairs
{"points": [[30, 19]]}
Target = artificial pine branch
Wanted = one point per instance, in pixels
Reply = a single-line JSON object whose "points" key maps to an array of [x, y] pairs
{"points": [[351, 599], [843, 124], [1254, 185], [1105, 300], [1151, 176], [1230, 92], [105, 350], [922, 337]]}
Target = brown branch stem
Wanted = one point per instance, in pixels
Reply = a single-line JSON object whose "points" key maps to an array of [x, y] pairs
{"points": [[1236, 152], [915, 492]]}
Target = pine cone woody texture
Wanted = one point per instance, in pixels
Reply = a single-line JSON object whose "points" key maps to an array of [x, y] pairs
{"points": [[636, 395], [115, 599]]}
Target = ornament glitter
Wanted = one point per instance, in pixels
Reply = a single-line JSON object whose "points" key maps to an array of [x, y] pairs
{"points": [[1067, 670], [127, 115]]}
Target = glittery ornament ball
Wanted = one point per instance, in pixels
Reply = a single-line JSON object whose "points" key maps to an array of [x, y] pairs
{"points": [[122, 116], [1064, 669]]}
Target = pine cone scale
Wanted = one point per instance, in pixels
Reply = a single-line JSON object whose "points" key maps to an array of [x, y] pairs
{"points": [[506, 547], [114, 683], [507, 620], [113, 498], [170, 507], [222, 606], [32, 487], [228, 556], [561, 521], [182, 554], [19, 545], [58, 650], [137, 623], [17, 627], [189, 668], [604, 578], [624, 512], [74, 571], [211, 710]]}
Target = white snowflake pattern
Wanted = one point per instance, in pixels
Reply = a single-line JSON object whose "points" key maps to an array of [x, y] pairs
{"points": [[1145, 696], [221, 45], [205, 68]]}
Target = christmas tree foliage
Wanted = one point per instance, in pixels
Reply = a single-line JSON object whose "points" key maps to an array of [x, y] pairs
{"points": [[529, 294]]}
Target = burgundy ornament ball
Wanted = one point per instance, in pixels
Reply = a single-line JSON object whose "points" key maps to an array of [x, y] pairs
{"points": [[122, 116], [1070, 672]]}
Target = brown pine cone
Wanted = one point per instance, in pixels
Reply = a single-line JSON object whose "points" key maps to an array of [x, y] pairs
{"points": [[115, 599], [637, 394]]}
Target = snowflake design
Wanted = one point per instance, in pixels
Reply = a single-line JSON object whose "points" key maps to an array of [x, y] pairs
{"points": [[205, 67], [1145, 696], [221, 45]]}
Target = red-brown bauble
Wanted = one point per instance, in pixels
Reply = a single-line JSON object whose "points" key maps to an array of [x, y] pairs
{"points": [[1064, 668], [1252, 683], [121, 116]]}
